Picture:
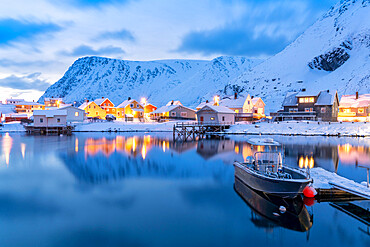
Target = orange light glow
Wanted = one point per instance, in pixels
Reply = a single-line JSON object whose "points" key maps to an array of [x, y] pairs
{"points": [[311, 163], [216, 99], [236, 149], [164, 146], [143, 151], [76, 145], [301, 162], [23, 150], [143, 101], [7, 147]]}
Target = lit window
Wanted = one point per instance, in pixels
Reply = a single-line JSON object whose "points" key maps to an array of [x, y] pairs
{"points": [[301, 100], [293, 109], [76, 114], [360, 110], [212, 119], [236, 111], [346, 110], [311, 100], [97, 113], [323, 110], [308, 109]]}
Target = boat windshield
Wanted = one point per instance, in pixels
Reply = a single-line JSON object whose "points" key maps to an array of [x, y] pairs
{"points": [[268, 160]]}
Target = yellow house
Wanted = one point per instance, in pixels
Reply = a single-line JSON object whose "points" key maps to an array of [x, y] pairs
{"points": [[129, 109], [93, 110], [28, 107]]}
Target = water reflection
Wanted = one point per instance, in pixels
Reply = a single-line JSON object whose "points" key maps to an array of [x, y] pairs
{"points": [[266, 213], [7, 147]]}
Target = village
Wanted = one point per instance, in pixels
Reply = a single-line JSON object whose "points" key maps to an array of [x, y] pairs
{"points": [[55, 114]]}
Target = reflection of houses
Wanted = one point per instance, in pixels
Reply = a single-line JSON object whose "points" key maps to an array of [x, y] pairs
{"points": [[93, 110], [354, 108], [213, 114], [305, 105], [359, 155], [210, 148]]}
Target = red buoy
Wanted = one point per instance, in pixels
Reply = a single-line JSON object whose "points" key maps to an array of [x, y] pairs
{"points": [[309, 192]]}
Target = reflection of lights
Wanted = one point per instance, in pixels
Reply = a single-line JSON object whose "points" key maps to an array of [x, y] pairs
{"points": [[164, 146], [133, 144], [76, 145], [7, 147], [23, 150], [143, 151], [236, 149], [301, 162], [306, 162]]}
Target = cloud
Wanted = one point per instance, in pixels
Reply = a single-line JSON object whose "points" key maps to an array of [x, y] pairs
{"points": [[118, 35], [85, 50], [27, 82], [11, 29]]}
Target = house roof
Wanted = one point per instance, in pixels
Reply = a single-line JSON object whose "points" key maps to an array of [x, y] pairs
{"points": [[165, 108], [325, 98], [204, 103], [290, 99], [233, 103], [176, 102], [69, 106], [84, 105], [101, 100], [218, 109], [48, 99], [28, 103], [351, 101], [50, 113], [307, 93], [14, 100], [126, 103], [256, 99]]}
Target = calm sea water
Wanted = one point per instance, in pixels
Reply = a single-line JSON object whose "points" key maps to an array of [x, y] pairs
{"points": [[98, 189]]}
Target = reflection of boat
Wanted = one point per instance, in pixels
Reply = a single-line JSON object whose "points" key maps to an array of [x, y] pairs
{"points": [[265, 172], [268, 208]]}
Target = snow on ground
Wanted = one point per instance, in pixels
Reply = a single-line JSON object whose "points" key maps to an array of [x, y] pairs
{"points": [[124, 126], [302, 128], [322, 178], [12, 127]]}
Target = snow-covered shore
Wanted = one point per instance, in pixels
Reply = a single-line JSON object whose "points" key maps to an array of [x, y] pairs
{"points": [[12, 127], [308, 128]]}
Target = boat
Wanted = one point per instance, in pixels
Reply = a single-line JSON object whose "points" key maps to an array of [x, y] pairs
{"points": [[265, 172], [269, 211]]}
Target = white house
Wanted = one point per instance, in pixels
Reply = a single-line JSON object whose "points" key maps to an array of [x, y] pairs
{"points": [[13, 101], [212, 114], [74, 114], [49, 118]]}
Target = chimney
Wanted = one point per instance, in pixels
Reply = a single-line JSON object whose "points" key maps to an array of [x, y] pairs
{"points": [[129, 98], [356, 95], [172, 102], [303, 90], [207, 101], [252, 97], [235, 95], [328, 90], [87, 101], [102, 97]]}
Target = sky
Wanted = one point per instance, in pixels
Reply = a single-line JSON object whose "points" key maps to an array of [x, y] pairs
{"points": [[40, 39]]}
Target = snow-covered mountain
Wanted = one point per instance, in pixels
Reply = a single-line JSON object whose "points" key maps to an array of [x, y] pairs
{"points": [[334, 54], [159, 81]]}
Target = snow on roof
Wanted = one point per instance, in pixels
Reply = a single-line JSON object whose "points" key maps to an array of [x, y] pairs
{"points": [[351, 101], [290, 99], [254, 100], [165, 108], [325, 98], [218, 109], [28, 103], [203, 104], [176, 102], [126, 102], [16, 115], [65, 106], [49, 113], [49, 99], [84, 105], [14, 100], [100, 101], [233, 103], [307, 93]]}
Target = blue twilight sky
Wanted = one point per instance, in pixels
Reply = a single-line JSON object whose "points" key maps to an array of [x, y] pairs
{"points": [[40, 39]]}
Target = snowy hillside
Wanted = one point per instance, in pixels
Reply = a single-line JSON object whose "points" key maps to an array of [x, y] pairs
{"points": [[331, 54], [159, 81]]}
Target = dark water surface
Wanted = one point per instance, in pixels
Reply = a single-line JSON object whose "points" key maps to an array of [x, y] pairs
{"points": [[98, 189]]}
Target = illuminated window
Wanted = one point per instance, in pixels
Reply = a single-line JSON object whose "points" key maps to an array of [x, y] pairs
{"points": [[301, 100], [76, 114], [97, 113], [236, 111], [212, 119], [346, 110], [323, 110], [308, 109], [311, 100], [360, 110]]}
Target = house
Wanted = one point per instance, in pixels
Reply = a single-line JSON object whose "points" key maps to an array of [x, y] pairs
{"points": [[213, 114], [173, 112], [92, 110], [130, 109], [53, 102], [28, 107], [13, 101], [13, 117], [106, 105], [148, 108], [50, 118], [74, 114], [246, 108], [354, 108], [321, 106]]}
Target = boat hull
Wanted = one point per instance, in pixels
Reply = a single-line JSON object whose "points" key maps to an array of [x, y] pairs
{"points": [[281, 187]]}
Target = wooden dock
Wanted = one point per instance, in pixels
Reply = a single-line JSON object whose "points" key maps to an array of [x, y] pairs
{"points": [[336, 195], [195, 130], [51, 130]]}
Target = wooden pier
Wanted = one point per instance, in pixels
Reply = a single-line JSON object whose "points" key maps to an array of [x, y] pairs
{"points": [[51, 130], [193, 131]]}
